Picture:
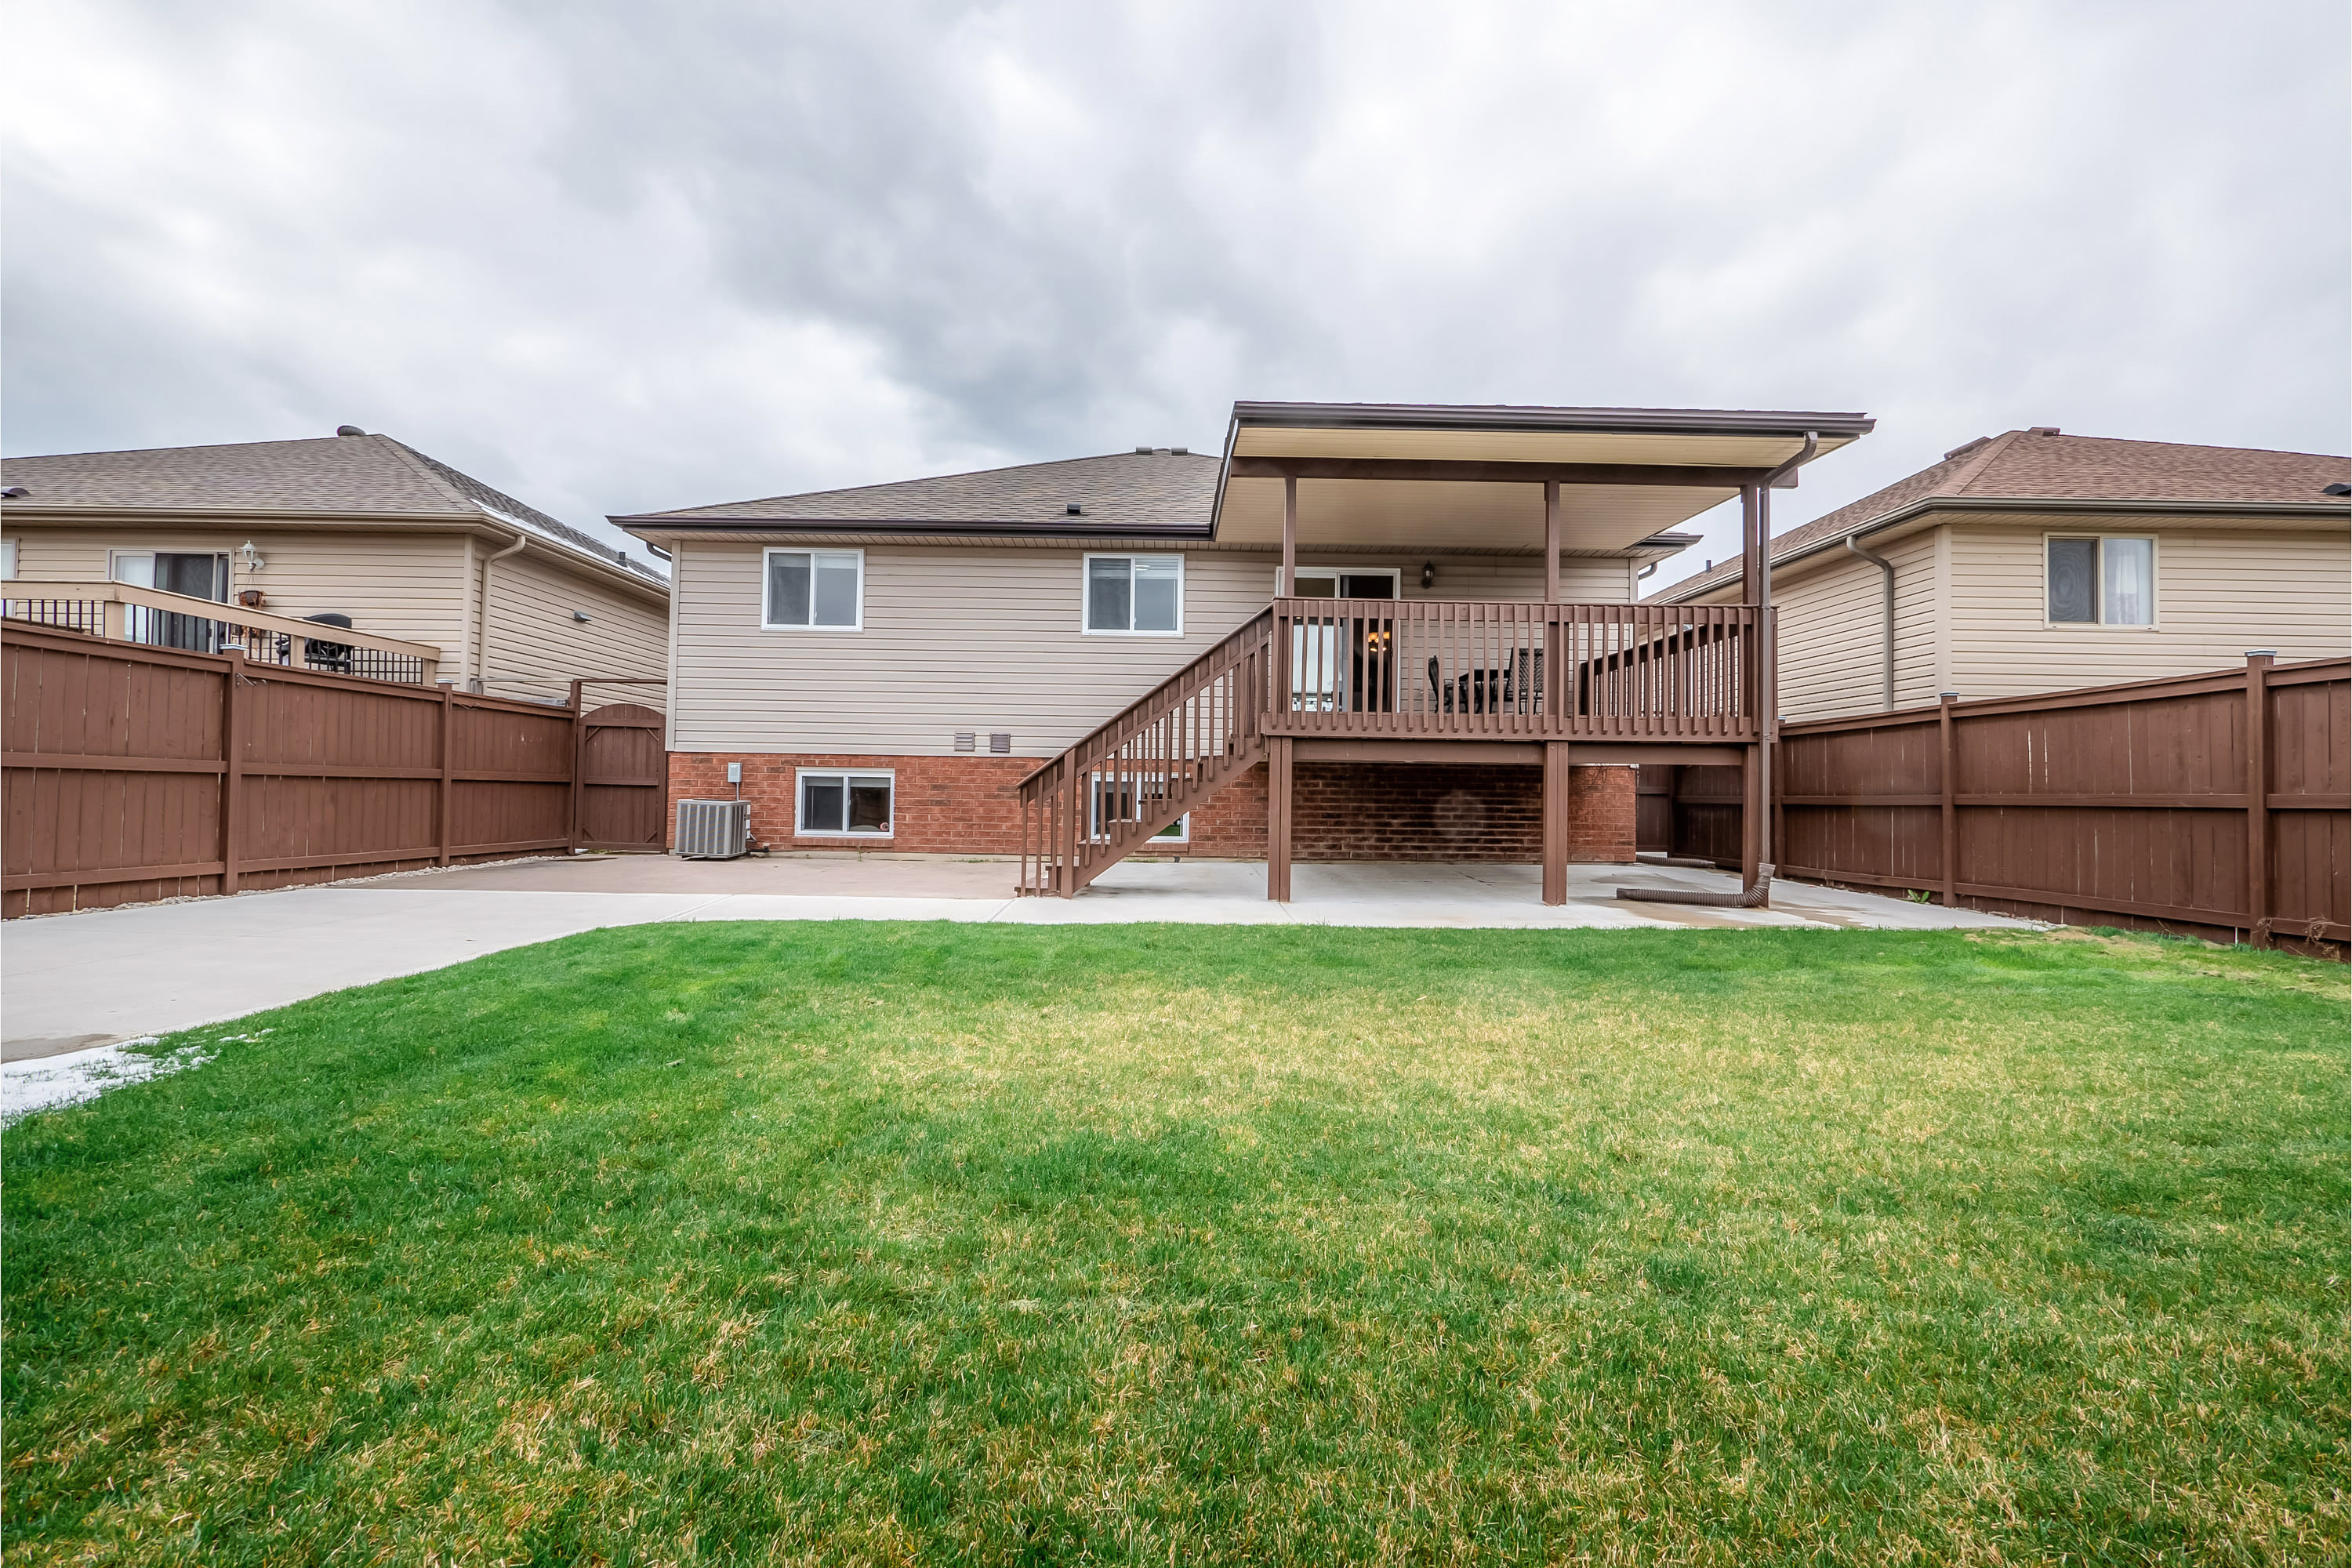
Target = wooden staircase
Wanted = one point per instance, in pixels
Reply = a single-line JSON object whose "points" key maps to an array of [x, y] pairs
{"points": [[1108, 795]]}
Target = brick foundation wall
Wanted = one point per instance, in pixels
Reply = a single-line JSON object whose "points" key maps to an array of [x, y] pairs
{"points": [[1342, 810], [944, 805], [1369, 810]]}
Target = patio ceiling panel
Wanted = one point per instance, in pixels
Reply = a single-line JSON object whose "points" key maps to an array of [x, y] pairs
{"points": [[1380, 475], [1437, 514]]}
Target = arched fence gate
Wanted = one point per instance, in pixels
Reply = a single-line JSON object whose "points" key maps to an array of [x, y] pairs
{"points": [[620, 780]]}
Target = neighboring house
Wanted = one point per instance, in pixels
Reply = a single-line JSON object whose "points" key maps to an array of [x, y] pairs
{"points": [[941, 665], [2036, 562], [351, 525]]}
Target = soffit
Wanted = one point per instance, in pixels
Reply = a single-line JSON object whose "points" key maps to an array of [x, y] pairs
{"points": [[1437, 514]]}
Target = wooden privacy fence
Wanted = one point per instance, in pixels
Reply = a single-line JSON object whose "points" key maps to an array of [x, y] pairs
{"points": [[136, 771], [2218, 805]]}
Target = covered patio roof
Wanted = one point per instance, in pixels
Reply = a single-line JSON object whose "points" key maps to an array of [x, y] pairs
{"points": [[1423, 475]]}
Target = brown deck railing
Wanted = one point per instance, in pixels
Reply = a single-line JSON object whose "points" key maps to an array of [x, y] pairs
{"points": [[1109, 794], [1511, 669]]}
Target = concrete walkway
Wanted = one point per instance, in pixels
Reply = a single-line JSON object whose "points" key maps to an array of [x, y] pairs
{"points": [[77, 982]]}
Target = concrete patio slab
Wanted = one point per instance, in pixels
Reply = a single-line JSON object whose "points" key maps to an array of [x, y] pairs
{"points": [[77, 982]]}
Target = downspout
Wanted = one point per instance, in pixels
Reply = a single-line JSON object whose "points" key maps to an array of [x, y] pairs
{"points": [[482, 644], [1886, 571]]}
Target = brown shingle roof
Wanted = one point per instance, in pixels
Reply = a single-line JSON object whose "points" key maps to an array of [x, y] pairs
{"points": [[333, 474], [1169, 491], [2043, 465]]}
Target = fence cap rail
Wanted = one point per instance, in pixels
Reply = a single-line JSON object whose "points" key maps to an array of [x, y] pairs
{"points": [[16, 588]]}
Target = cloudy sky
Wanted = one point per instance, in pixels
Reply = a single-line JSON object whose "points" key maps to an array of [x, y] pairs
{"points": [[619, 257]]}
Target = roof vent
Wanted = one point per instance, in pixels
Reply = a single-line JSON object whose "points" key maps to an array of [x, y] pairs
{"points": [[2330, 491], [1073, 510], [1182, 451], [1143, 451], [1160, 451], [1965, 448], [2042, 430], [349, 430], [17, 492]]}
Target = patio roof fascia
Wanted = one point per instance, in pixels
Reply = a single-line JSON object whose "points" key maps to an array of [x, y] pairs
{"points": [[1831, 430]]}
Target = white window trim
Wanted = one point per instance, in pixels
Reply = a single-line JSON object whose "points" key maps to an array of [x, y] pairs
{"points": [[1095, 833], [1322, 568], [1085, 578], [812, 550], [9, 554], [2155, 576], [801, 830]]}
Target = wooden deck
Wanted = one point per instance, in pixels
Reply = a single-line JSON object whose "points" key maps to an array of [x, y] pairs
{"points": [[1402, 678]]}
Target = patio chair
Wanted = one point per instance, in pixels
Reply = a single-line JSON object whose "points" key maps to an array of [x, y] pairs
{"points": [[1528, 695]]}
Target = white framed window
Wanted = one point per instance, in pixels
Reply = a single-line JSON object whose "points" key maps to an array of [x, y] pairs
{"points": [[813, 590], [1344, 581], [845, 803], [1135, 596], [7, 558], [199, 574], [2099, 580], [1117, 797]]}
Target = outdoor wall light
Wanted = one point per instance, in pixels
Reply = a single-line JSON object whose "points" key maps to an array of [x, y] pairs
{"points": [[1429, 573], [250, 556]]}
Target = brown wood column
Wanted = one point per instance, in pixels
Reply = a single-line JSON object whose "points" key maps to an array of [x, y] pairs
{"points": [[1277, 819], [232, 794], [1751, 816], [448, 762], [2258, 787], [1949, 770], [1555, 822], [1289, 583], [1551, 684]]}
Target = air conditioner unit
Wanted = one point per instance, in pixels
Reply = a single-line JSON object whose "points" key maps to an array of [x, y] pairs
{"points": [[713, 829]]}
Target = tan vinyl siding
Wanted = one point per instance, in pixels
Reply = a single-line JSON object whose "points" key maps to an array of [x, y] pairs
{"points": [[2219, 591], [394, 584], [536, 648], [980, 639]]}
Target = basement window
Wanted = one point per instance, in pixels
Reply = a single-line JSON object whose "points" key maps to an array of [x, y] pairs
{"points": [[2101, 580], [1135, 594], [844, 805]]}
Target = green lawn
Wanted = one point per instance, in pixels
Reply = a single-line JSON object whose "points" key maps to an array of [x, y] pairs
{"points": [[858, 1242]]}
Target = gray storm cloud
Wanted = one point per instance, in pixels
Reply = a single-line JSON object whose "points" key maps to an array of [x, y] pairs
{"points": [[614, 258]]}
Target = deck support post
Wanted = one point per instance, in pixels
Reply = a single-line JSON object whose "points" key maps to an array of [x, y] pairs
{"points": [[1555, 822], [1289, 539], [1277, 819]]}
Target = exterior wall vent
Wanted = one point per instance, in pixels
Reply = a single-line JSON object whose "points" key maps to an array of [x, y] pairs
{"points": [[1000, 742], [713, 829], [963, 741]]}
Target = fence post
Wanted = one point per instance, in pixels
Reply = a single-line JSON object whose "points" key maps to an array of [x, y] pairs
{"points": [[578, 752], [1950, 784], [2257, 785], [232, 770], [442, 810]]}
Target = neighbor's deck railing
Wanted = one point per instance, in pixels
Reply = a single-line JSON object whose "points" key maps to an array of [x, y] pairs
{"points": [[1511, 669], [124, 613]]}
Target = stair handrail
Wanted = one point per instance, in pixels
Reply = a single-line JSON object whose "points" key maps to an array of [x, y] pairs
{"points": [[1178, 687]]}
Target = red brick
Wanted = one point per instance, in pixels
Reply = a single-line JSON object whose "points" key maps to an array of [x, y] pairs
{"points": [[1343, 811]]}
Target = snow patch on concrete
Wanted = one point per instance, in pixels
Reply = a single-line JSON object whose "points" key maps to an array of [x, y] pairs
{"points": [[46, 1083]]}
